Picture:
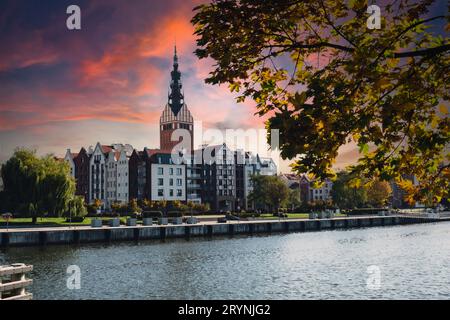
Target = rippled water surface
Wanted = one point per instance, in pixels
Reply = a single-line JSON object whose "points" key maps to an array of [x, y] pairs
{"points": [[414, 262]]}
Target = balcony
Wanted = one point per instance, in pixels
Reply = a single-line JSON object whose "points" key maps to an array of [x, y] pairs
{"points": [[193, 196]]}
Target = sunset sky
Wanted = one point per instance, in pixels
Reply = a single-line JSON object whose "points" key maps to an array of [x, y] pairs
{"points": [[108, 82]]}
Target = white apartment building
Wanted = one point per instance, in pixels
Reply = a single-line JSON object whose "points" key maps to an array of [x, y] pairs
{"points": [[168, 180], [268, 167], [117, 177]]}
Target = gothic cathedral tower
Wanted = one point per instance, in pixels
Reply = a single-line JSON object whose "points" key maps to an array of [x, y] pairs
{"points": [[176, 114]]}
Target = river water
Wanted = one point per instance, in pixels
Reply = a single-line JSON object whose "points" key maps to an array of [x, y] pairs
{"points": [[398, 262]]}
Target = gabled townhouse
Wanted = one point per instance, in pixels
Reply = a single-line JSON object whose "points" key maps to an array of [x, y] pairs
{"points": [[97, 174], [69, 159], [310, 194], [117, 181], [79, 169], [137, 175]]}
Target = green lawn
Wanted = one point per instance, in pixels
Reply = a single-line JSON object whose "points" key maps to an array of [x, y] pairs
{"points": [[43, 222], [292, 216], [61, 222]]}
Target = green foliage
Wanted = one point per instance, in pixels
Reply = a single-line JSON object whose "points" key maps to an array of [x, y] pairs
{"points": [[269, 192], [345, 195], [77, 207], [378, 193], [133, 206], [293, 200], [37, 186], [385, 90], [165, 206]]}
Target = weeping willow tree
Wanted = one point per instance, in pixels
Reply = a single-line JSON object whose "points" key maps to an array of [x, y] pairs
{"points": [[36, 187]]}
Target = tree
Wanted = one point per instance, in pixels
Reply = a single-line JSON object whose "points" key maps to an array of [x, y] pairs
{"points": [[77, 207], [116, 206], [345, 195], [293, 200], [269, 191], [97, 204], [133, 207], [37, 186], [324, 79], [378, 193]]}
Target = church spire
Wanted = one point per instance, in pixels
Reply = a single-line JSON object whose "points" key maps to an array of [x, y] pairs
{"points": [[176, 98]]}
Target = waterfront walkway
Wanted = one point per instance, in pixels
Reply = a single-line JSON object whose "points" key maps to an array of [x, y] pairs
{"points": [[445, 216], [85, 234]]}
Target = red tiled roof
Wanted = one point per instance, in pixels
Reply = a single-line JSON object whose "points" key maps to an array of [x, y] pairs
{"points": [[151, 152], [106, 149]]}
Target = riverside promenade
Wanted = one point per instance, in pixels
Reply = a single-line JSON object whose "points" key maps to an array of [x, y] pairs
{"points": [[41, 236]]}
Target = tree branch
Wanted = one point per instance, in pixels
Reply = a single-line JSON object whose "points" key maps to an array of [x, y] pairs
{"points": [[424, 52]]}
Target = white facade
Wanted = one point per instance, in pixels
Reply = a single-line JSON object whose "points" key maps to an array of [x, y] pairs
{"points": [[268, 167], [111, 179], [69, 158], [122, 178], [168, 182], [322, 193], [117, 178]]}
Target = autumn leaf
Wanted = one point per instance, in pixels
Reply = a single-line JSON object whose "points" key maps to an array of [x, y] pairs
{"points": [[443, 109]]}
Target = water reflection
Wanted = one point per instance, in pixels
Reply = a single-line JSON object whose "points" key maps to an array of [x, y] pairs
{"points": [[414, 261]]}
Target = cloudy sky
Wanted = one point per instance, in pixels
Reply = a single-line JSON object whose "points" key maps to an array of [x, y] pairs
{"points": [[108, 82]]}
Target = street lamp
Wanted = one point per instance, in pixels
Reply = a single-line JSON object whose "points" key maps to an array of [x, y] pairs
{"points": [[7, 217]]}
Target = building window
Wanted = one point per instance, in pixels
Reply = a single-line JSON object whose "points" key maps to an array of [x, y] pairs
{"points": [[160, 171], [179, 171], [160, 193], [160, 182], [179, 182], [171, 182], [171, 192], [179, 192], [171, 171]]}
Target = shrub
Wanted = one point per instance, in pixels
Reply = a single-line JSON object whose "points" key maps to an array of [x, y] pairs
{"points": [[152, 214], [75, 219], [174, 214], [364, 211], [248, 215]]}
